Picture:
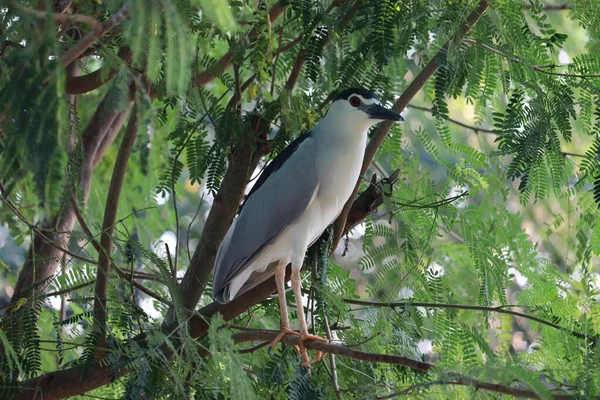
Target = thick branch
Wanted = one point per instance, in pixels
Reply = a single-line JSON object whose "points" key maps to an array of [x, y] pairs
{"points": [[48, 244], [400, 104], [94, 80], [110, 216], [221, 215]]}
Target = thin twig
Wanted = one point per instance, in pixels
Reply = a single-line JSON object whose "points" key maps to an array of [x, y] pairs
{"points": [[334, 377], [16, 211], [274, 72], [120, 272], [519, 61], [552, 7], [478, 129], [224, 62], [187, 241], [255, 348], [500, 310], [456, 122], [171, 266]]}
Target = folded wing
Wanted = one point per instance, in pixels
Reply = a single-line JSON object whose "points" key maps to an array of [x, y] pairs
{"points": [[282, 193]]}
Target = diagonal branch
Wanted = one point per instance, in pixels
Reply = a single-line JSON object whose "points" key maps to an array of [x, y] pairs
{"points": [[204, 77], [74, 52], [533, 67], [110, 216], [222, 213], [400, 104], [42, 259]]}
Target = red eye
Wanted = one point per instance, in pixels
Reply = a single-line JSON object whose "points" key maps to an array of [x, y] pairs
{"points": [[354, 101]]}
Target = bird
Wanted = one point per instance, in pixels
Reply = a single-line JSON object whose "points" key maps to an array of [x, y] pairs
{"points": [[296, 197]]}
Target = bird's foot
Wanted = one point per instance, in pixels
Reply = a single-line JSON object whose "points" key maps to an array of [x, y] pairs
{"points": [[285, 330], [306, 360]]}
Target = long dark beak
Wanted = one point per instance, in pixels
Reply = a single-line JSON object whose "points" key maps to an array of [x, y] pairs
{"points": [[376, 111]]}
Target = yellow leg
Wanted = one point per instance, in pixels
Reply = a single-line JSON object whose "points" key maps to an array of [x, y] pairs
{"points": [[285, 321], [304, 335]]}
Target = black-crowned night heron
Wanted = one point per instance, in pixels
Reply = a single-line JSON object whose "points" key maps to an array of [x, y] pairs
{"points": [[297, 196]]}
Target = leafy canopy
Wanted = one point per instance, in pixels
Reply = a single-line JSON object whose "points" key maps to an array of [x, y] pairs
{"points": [[495, 211]]}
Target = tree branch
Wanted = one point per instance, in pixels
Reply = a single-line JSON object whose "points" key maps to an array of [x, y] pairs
{"points": [[221, 214], [478, 129], [110, 216], [55, 385], [75, 51], [330, 348], [43, 256], [94, 80], [401, 103], [86, 19], [204, 77], [500, 310], [519, 61]]}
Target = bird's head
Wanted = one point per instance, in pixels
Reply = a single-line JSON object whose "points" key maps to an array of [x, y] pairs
{"points": [[360, 107]]}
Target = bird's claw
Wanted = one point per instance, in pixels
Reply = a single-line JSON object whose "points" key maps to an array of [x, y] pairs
{"points": [[285, 330], [301, 349], [306, 360]]}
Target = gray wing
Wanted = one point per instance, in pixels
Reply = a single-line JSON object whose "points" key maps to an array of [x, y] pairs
{"points": [[280, 199]]}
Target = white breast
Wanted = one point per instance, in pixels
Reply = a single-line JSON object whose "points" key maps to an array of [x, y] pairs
{"points": [[338, 158], [340, 154]]}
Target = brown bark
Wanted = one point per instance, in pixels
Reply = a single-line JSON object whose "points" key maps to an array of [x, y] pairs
{"points": [[110, 216], [74, 52], [43, 257], [243, 162]]}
